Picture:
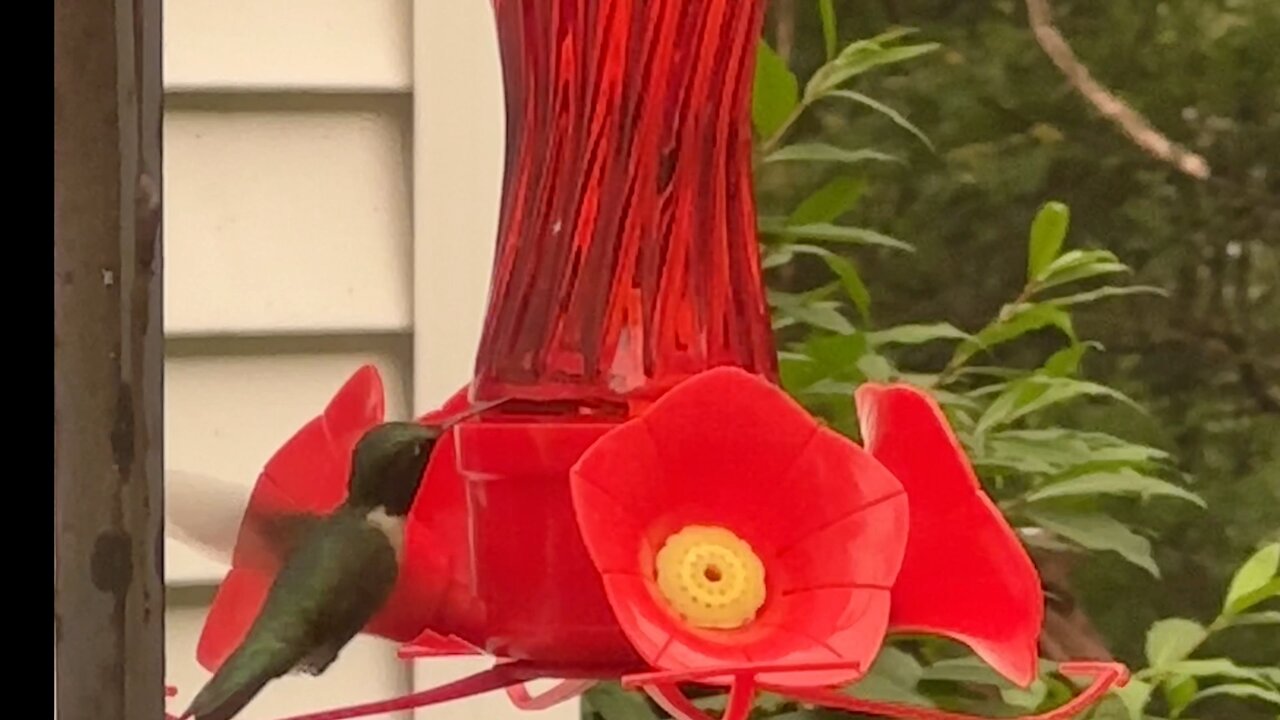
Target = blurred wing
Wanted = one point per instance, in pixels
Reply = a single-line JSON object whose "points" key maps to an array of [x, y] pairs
{"points": [[204, 512], [210, 516]]}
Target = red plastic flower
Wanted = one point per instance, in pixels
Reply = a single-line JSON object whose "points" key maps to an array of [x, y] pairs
{"points": [[731, 529], [308, 476], [965, 576]]}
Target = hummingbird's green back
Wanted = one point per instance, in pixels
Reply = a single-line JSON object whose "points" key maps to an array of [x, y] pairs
{"points": [[341, 573]]}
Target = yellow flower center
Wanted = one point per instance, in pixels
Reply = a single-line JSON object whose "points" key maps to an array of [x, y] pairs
{"points": [[711, 577]]}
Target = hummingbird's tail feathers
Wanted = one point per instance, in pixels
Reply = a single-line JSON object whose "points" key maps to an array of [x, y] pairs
{"points": [[227, 707], [239, 681]]}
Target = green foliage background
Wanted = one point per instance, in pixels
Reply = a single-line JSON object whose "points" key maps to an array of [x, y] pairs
{"points": [[1010, 134], [940, 207]]}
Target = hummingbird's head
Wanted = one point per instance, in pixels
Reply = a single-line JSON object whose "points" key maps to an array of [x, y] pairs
{"points": [[388, 463]]}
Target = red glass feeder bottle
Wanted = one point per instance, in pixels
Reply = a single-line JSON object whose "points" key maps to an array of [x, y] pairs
{"points": [[643, 502]]}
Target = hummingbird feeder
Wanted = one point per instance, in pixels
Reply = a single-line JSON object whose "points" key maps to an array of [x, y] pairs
{"points": [[632, 496]]}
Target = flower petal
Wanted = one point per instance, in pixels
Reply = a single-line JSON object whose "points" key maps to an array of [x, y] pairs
{"points": [[863, 550], [646, 625], [854, 526], [965, 576], [861, 616], [617, 495], [312, 467], [729, 449], [797, 631], [234, 608], [726, 441]]}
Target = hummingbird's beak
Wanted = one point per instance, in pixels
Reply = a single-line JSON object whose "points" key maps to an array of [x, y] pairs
{"points": [[427, 434], [470, 412]]}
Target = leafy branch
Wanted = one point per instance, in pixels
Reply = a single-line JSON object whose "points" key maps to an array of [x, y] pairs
{"points": [[778, 103], [1130, 122]]}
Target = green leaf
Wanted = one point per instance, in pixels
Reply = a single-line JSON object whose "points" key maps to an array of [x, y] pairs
{"points": [[1065, 449], [1028, 698], [1048, 232], [1171, 640], [892, 678], [829, 387], [1022, 320], [1096, 531], [776, 256], [825, 152], [1104, 292], [1037, 392], [1074, 265], [826, 232], [1123, 482], [897, 117], [1066, 362], [826, 8], [1178, 693], [1253, 575], [714, 703], [1218, 667], [1266, 592], [964, 670], [1135, 696], [829, 202], [834, 354], [1240, 690], [779, 298], [796, 374], [1018, 462], [776, 93], [917, 334], [876, 368], [770, 224], [848, 274], [948, 399], [765, 702], [820, 315], [1264, 617], [898, 665], [614, 703], [770, 702], [861, 56], [970, 669], [990, 372]]}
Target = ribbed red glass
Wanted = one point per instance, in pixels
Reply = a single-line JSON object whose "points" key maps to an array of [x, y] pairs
{"points": [[626, 255]]}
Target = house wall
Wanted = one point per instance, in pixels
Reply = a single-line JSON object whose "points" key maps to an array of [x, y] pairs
{"points": [[331, 175]]}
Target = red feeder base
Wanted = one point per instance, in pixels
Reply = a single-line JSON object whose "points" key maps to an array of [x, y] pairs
{"points": [[541, 597]]}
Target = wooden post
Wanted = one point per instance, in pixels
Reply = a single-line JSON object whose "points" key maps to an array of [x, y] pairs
{"points": [[108, 349]]}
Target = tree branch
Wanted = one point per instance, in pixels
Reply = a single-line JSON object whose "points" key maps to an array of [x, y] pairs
{"points": [[1132, 124]]}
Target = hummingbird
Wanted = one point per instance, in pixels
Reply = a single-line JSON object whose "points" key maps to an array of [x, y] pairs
{"points": [[338, 572]]}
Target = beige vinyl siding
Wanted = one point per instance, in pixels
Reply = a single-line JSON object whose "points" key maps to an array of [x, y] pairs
{"points": [[332, 172]]}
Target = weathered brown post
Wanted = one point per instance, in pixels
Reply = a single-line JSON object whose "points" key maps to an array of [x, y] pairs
{"points": [[108, 352]]}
